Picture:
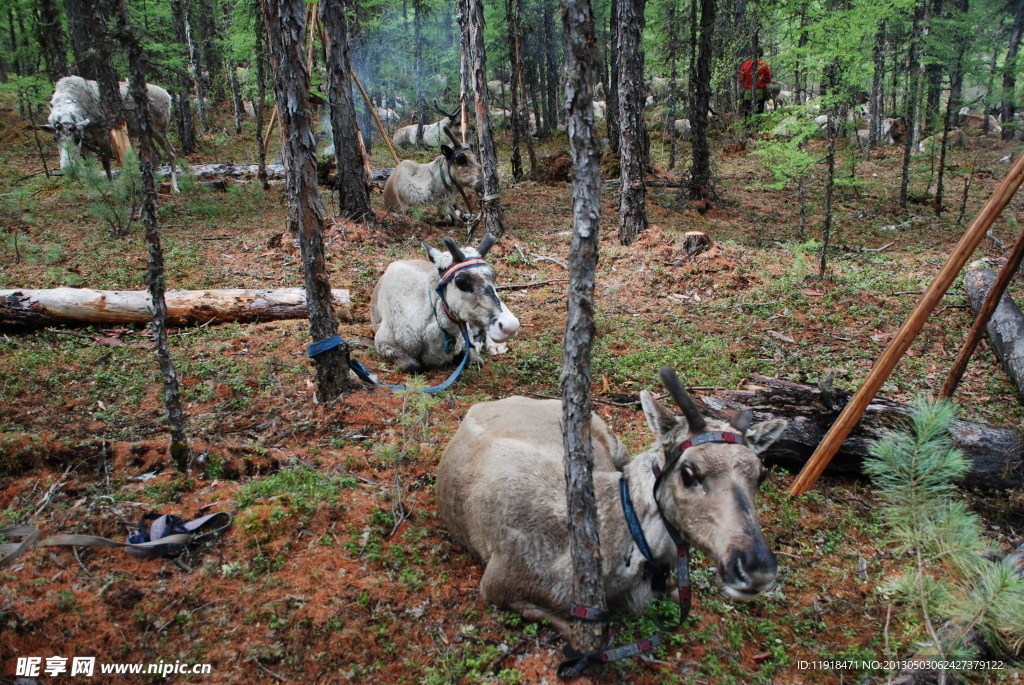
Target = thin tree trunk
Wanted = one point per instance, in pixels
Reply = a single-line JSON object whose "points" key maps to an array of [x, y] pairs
{"points": [[261, 93], [195, 67], [179, 451], [671, 21], [462, 16], [236, 98], [183, 101], [612, 88], [421, 99], [81, 41], [286, 33], [353, 194], [701, 184], [877, 91], [515, 38], [552, 110], [1010, 73], [942, 154], [490, 203], [633, 130], [826, 231], [908, 144], [51, 40], [582, 68]]}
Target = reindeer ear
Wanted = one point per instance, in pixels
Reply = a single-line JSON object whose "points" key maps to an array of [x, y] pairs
{"points": [[659, 417], [82, 124], [47, 127], [762, 435], [447, 152]]}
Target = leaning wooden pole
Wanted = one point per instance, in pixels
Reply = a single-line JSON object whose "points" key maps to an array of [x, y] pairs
{"points": [[995, 294], [373, 112], [908, 331]]}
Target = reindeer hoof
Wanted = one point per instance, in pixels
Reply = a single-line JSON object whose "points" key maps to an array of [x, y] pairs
{"points": [[496, 348]]}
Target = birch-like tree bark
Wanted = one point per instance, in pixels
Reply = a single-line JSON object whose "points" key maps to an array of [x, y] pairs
{"points": [[286, 36], [582, 70]]}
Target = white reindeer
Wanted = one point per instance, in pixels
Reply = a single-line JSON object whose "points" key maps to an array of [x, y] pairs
{"points": [[74, 107], [418, 308]]}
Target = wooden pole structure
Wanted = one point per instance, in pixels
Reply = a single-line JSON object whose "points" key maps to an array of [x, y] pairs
{"points": [[851, 414], [369, 105], [995, 294]]}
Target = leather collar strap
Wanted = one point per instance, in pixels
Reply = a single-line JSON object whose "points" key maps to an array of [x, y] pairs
{"points": [[712, 436], [657, 568]]}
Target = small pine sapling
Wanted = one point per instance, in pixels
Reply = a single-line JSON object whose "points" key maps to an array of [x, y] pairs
{"points": [[952, 575]]}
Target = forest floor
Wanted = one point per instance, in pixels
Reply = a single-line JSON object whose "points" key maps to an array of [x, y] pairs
{"points": [[337, 568]]}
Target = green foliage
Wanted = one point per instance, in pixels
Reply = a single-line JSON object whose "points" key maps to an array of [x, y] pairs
{"points": [[116, 203], [785, 155], [915, 469], [305, 487]]}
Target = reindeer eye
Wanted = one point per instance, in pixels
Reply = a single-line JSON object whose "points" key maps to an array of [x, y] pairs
{"points": [[463, 283], [460, 159], [689, 476]]}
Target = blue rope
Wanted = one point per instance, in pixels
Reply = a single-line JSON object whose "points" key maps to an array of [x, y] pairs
{"points": [[360, 371]]}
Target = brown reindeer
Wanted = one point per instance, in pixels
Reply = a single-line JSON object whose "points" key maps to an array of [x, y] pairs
{"points": [[501, 493]]}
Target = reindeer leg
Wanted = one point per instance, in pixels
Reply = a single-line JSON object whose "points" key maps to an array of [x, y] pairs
{"points": [[494, 590], [161, 138]]}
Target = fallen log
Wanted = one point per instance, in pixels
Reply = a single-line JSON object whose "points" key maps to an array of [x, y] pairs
{"points": [[21, 309], [1006, 327], [996, 454], [274, 171]]}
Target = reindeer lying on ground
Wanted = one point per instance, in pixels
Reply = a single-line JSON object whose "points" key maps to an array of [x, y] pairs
{"points": [[436, 183], [501, 493], [418, 308], [433, 134], [75, 113]]}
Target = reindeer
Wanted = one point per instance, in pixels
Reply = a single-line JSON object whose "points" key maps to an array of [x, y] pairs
{"points": [[501, 493], [437, 182], [74, 108], [433, 134], [418, 308]]}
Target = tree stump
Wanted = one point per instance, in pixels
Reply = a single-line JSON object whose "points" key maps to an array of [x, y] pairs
{"points": [[695, 242]]}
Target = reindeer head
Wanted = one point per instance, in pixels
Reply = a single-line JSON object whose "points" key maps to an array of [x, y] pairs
{"points": [[470, 294], [707, 491], [69, 135], [463, 164]]}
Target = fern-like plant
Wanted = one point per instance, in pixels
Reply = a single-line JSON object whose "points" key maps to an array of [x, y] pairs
{"points": [[951, 577]]}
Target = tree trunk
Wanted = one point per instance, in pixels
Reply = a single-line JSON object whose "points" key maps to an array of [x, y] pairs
{"points": [[353, 194], [21, 309], [632, 129], [830, 134], [552, 106], [236, 98], [195, 67], [908, 144], [262, 67], [51, 40], [520, 121], [183, 101], [611, 88], [139, 99], [462, 17], [81, 40], [701, 185], [1005, 329], [286, 33], [671, 21], [877, 91], [939, 187], [996, 454], [421, 100], [490, 203], [582, 69], [1010, 73]]}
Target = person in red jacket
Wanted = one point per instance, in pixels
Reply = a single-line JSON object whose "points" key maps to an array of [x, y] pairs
{"points": [[764, 77]]}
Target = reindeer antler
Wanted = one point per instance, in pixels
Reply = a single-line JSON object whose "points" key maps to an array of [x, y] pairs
{"points": [[486, 243], [457, 254], [451, 136], [693, 416]]}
